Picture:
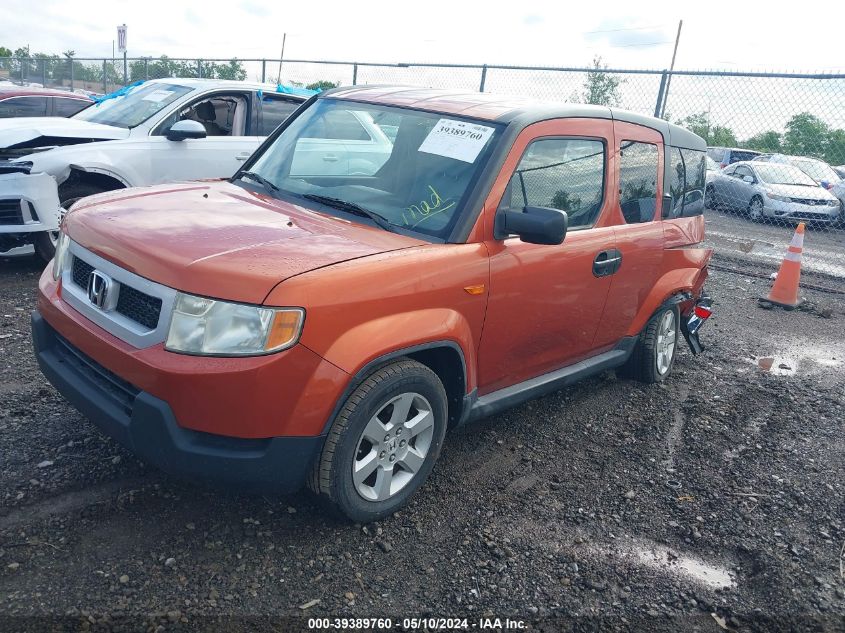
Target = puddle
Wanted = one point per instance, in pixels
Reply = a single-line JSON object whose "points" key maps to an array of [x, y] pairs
{"points": [[690, 567], [646, 553], [777, 365], [806, 358]]}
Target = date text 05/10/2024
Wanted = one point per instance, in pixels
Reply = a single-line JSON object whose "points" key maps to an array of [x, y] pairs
{"points": [[430, 623]]}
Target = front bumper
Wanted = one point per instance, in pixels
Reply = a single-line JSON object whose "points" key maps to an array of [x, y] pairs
{"points": [[29, 204], [801, 212], [147, 426]]}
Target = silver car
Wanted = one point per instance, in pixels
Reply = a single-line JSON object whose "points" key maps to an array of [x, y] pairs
{"points": [[771, 191]]}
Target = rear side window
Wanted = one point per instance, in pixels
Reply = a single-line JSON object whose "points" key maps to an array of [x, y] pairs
{"points": [[673, 207], [686, 180], [561, 173], [23, 106], [273, 113], [696, 174], [67, 107], [638, 181]]}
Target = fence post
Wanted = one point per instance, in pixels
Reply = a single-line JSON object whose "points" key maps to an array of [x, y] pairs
{"points": [[660, 91], [355, 74], [23, 81], [105, 77], [483, 78], [199, 68], [146, 69], [44, 72], [70, 61]]}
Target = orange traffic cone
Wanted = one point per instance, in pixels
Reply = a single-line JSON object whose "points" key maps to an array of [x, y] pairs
{"points": [[784, 291]]}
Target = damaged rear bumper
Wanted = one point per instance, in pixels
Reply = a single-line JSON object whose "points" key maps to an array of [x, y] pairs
{"points": [[693, 319]]}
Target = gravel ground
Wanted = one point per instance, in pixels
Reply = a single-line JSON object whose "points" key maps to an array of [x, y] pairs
{"points": [[712, 502]]}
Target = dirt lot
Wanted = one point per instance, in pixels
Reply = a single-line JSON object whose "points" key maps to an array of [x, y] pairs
{"points": [[713, 502]]}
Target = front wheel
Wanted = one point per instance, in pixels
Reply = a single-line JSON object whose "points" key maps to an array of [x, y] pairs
{"points": [[383, 444], [755, 210], [654, 354]]}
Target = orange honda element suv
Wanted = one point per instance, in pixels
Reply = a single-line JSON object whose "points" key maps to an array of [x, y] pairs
{"points": [[390, 263]]}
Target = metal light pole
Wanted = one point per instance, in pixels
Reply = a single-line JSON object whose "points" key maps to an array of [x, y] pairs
{"points": [[281, 58], [671, 68]]}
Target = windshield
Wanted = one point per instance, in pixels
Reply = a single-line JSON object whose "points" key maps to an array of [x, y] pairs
{"points": [[413, 169], [777, 174], [816, 170], [132, 109]]}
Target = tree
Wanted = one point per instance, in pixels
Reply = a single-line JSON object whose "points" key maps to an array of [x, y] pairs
{"points": [[323, 84], [806, 135], [600, 87], [700, 124], [834, 151], [565, 202], [769, 141], [232, 70]]}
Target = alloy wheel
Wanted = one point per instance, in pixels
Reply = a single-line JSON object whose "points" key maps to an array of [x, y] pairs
{"points": [[666, 338], [393, 446]]}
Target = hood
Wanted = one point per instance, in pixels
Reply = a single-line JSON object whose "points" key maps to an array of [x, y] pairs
{"points": [[32, 132], [217, 239], [800, 191]]}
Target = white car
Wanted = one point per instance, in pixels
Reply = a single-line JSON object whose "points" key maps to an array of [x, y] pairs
{"points": [[157, 131]]}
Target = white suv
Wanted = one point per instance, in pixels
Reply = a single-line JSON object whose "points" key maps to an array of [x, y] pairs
{"points": [[156, 131]]}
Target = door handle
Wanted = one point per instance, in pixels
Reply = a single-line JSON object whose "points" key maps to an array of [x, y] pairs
{"points": [[607, 262], [330, 158], [242, 156]]}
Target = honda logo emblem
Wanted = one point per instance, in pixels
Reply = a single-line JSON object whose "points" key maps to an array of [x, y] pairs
{"points": [[100, 290]]}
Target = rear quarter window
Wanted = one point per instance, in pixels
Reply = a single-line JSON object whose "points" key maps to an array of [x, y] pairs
{"points": [[739, 155], [273, 113], [638, 181]]}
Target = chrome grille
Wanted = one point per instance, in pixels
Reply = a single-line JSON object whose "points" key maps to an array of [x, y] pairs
{"points": [[131, 303]]}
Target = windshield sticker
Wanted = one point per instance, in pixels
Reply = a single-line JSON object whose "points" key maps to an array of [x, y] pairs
{"points": [[456, 139], [417, 213], [157, 96]]}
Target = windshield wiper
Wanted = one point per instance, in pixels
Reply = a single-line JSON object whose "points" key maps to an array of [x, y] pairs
{"points": [[351, 207], [269, 186]]}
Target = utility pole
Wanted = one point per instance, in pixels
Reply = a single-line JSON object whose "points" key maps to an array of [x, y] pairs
{"points": [[671, 68], [281, 58]]}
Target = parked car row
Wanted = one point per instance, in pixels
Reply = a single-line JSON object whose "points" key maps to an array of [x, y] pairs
{"points": [[775, 187], [388, 264], [17, 101], [159, 131]]}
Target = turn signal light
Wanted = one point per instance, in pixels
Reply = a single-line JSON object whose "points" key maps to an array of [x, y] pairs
{"points": [[285, 328]]}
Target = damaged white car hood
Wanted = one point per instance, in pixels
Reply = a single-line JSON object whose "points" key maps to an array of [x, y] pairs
{"points": [[24, 132]]}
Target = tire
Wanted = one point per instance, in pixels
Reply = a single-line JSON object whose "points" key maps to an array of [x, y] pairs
{"points": [[367, 434], [646, 363], [45, 243], [755, 210]]}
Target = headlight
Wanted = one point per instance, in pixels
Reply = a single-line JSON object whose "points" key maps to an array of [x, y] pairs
{"points": [[208, 327], [60, 255], [833, 203], [775, 196]]}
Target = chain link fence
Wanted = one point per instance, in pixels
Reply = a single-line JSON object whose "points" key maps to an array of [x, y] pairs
{"points": [[777, 139]]}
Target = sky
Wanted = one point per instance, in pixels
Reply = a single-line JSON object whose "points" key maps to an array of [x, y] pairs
{"points": [[732, 36]]}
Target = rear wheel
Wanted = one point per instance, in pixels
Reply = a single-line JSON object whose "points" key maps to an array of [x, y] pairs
{"points": [[383, 443], [654, 354]]}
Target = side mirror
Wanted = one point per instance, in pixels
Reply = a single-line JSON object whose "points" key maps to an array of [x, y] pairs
{"points": [[181, 130], [535, 225]]}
